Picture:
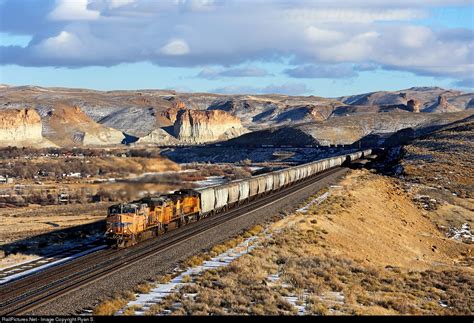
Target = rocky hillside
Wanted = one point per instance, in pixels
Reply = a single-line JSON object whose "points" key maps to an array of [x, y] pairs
{"points": [[369, 128], [448, 154], [428, 97], [21, 128], [165, 117]]}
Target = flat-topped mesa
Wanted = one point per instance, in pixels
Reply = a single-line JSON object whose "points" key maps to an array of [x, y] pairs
{"points": [[22, 125], [200, 126]]}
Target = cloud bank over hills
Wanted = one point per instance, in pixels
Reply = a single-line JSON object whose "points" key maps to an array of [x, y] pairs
{"points": [[319, 39]]}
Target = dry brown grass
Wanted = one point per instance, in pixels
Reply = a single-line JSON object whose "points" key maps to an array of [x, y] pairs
{"points": [[187, 279], [143, 288], [163, 279], [195, 261], [131, 310], [112, 305], [311, 260]]}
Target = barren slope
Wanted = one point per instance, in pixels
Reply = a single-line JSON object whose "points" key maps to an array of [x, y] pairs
{"points": [[69, 126]]}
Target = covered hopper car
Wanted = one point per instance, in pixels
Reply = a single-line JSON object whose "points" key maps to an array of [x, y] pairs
{"points": [[129, 223]]}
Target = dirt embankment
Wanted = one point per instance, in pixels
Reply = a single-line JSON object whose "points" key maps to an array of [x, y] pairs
{"points": [[366, 249], [373, 221]]}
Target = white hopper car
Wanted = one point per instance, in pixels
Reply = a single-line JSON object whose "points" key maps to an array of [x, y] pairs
{"points": [[221, 197]]}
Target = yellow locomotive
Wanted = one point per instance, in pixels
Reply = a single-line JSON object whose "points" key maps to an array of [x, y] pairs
{"points": [[129, 223]]}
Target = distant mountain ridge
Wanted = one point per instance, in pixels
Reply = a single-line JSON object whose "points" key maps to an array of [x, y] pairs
{"points": [[96, 118], [427, 96]]}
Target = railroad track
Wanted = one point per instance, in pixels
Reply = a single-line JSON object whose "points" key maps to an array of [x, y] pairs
{"points": [[25, 268], [24, 295]]}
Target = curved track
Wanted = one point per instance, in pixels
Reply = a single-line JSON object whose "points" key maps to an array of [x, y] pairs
{"points": [[24, 295]]}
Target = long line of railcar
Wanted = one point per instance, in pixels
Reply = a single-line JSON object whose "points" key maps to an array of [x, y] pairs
{"points": [[129, 223]]}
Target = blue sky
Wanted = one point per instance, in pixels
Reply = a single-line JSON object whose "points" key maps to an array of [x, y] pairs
{"points": [[325, 48]]}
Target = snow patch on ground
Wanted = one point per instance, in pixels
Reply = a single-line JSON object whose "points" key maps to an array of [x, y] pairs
{"points": [[15, 264], [462, 234], [143, 302], [301, 301], [297, 301]]}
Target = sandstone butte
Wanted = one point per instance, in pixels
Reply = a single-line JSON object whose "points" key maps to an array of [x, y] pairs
{"points": [[199, 126], [22, 125]]}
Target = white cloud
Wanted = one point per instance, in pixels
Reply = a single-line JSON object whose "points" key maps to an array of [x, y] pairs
{"points": [[196, 5], [351, 15], [319, 35], [358, 48], [65, 43], [416, 36], [249, 71], [73, 10], [113, 4], [231, 33], [324, 71], [175, 47]]}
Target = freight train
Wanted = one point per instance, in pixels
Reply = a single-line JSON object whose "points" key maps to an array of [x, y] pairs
{"points": [[129, 223]]}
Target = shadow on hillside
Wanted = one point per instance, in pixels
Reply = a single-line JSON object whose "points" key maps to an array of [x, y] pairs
{"points": [[284, 136], [404, 136], [388, 160], [169, 130], [129, 139]]}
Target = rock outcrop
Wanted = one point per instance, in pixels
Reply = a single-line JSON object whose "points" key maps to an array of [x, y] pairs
{"points": [[470, 104], [21, 128], [171, 113], [442, 105], [157, 137], [414, 105], [200, 126]]}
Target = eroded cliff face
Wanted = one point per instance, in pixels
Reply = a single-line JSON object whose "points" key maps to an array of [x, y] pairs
{"points": [[70, 126], [200, 126], [20, 127]]}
